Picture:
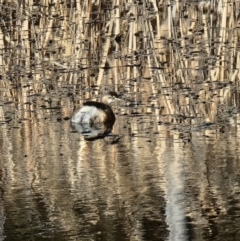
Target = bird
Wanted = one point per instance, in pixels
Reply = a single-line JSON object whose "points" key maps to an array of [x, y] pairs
{"points": [[93, 112]]}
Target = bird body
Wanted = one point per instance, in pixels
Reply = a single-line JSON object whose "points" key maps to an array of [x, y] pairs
{"points": [[96, 112]]}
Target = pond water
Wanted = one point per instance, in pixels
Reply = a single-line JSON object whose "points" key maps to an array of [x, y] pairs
{"points": [[157, 182]]}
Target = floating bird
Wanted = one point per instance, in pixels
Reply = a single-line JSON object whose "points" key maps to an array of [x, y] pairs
{"points": [[93, 112]]}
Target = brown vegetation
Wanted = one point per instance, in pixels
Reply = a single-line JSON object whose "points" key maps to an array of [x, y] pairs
{"points": [[181, 55]]}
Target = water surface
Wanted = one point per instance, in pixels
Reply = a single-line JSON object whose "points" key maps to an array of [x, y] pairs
{"points": [[155, 183]]}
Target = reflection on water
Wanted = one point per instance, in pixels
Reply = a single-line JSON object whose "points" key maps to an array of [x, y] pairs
{"points": [[151, 185], [93, 131], [96, 131], [175, 194]]}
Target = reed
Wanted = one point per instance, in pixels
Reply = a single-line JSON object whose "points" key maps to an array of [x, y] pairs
{"points": [[52, 48]]}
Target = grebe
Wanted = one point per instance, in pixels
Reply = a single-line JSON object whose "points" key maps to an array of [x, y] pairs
{"points": [[96, 112]]}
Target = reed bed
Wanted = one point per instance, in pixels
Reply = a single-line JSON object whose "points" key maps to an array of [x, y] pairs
{"points": [[179, 58]]}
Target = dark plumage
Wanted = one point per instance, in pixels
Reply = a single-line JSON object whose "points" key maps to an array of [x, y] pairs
{"points": [[96, 112], [110, 117]]}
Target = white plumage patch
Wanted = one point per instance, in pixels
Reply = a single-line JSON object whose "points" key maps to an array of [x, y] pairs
{"points": [[89, 114]]}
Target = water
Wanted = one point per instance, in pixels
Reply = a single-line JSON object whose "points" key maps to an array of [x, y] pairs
{"points": [[155, 183]]}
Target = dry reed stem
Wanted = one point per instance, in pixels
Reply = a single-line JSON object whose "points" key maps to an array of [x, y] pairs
{"points": [[220, 64], [37, 39], [105, 53]]}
